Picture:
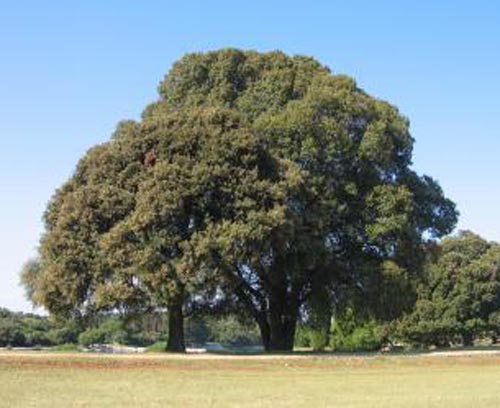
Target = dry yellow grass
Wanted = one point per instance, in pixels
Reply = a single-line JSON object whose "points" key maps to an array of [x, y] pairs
{"points": [[79, 380]]}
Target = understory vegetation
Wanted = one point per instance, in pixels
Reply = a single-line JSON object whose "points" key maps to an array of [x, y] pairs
{"points": [[30, 330], [457, 302]]}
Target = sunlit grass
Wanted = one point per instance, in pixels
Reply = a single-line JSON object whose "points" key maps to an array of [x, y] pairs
{"points": [[79, 380]]}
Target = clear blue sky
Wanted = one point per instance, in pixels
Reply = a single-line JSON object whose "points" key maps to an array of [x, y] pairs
{"points": [[70, 70]]}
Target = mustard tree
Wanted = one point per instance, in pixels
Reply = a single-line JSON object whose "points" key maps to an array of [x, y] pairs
{"points": [[258, 177]]}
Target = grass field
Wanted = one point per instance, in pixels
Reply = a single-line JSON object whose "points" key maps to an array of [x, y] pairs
{"points": [[79, 380]]}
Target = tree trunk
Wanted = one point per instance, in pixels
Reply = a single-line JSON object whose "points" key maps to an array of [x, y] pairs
{"points": [[277, 326], [282, 333], [265, 332], [275, 311], [468, 339], [175, 341], [320, 315]]}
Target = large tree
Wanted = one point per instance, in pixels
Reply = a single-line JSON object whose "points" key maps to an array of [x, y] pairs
{"points": [[259, 178]]}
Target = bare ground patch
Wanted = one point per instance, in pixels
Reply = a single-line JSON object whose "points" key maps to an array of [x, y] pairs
{"points": [[29, 360]]}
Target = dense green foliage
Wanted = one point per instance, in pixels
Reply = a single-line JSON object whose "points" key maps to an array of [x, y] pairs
{"points": [[345, 333], [365, 337], [29, 330], [459, 301], [226, 330], [257, 182]]}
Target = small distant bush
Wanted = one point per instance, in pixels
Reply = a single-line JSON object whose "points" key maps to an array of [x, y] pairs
{"points": [[494, 322], [113, 331], [157, 347], [230, 331], [306, 336], [319, 340], [11, 333], [302, 336], [64, 333], [363, 338], [91, 336], [110, 331], [349, 335], [66, 347]]}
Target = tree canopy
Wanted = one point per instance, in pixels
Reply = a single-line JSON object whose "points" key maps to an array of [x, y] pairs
{"points": [[257, 178], [459, 299]]}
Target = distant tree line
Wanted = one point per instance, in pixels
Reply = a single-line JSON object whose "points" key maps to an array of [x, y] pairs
{"points": [[30, 330]]}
